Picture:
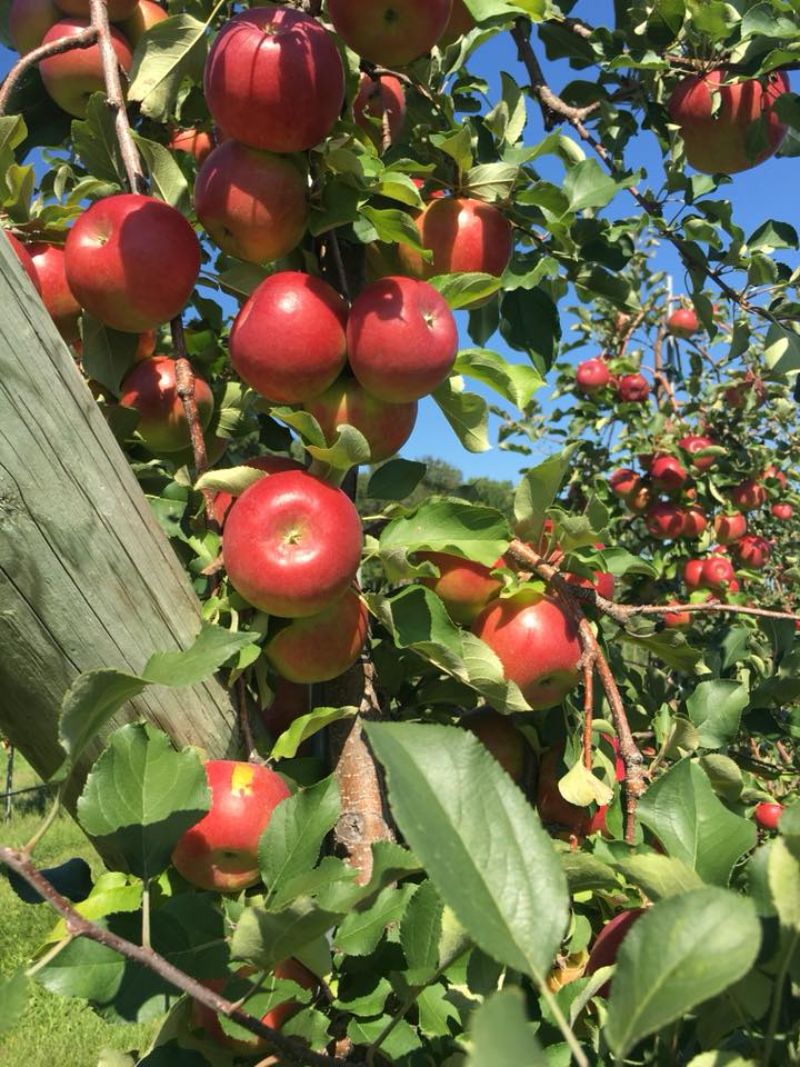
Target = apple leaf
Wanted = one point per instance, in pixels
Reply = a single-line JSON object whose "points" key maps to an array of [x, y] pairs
{"points": [[579, 786], [108, 354], [421, 931], [715, 707], [264, 938], [454, 526], [168, 52], [305, 726], [167, 180], [461, 290], [502, 1035], [784, 884], [361, 930], [659, 876], [233, 480], [467, 413], [396, 479], [536, 492], [514, 382], [683, 951]]}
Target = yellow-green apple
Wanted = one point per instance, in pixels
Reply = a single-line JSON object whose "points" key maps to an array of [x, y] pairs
{"points": [[718, 573], [151, 389], [24, 257], [270, 464], [401, 339], [198, 143], [292, 544], [117, 9], [537, 643], [730, 527], [379, 107], [146, 14], [624, 481], [633, 389], [390, 33], [461, 22], [386, 426], [694, 521], [748, 495], [715, 116], [667, 473], [274, 79], [29, 21], [71, 77], [665, 521], [321, 647], [683, 322], [64, 309], [499, 734], [607, 944], [783, 512], [464, 235], [288, 341], [550, 804], [694, 443], [592, 375], [132, 261], [464, 586], [677, 620], [220, 852], [753, 551], [768, 815], [252, 204]]}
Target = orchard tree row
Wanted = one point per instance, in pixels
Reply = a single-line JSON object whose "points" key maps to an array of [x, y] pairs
{"points": [[515, 773]]}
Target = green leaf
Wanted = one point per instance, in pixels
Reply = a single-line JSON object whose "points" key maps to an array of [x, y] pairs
{"points": [[305, 726], [784, 884], [472, 530], [212, 647], [683, 951], [587, 185], [536, 492], [467, 413], [108, 354], [480, 842], [529, 322], [144, 794], [360, 932], [421, 930], [350, 449], [720, 1059], [659, 876], [233, 480], [715, 707], [84, 969], [456, 145], [264, 938], [515, 382], [167, 181], [95, 142], [507, 118], [396, 479], [491, 181], [169, 52], [502, 1035], [14, 998], [92, 699], [465, 290], [394, 227], [693, 825], [782, 350]]}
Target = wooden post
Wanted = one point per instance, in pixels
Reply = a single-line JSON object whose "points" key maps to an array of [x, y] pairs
{"points": [[87, 578]]}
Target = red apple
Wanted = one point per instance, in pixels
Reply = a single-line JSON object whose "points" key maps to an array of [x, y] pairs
{"points": [[730, 527], [117, 9], [718, 573], [288, 341], [64, 309], [24, 257], [145, 14], [390, 33], [71, 77], [633, 388], [380, 106], [677, 620], [292, 544], [386, 426], [639, 500], [716, 116], [321, 647], [768, 815], [537, 643], [220, 852], [151, 388], [252, 204], [274, 80], [464, 586], [694, 443], [461, 22], [748, 495], [29, 21], [602, 583], [499, 735], [607, 944], [624, 481], [270, 464], [667, 473], [683, 322], [783, 512], [198, 143], [550, 804], [592, 375], [736, 395], [693, 574], [464, 235], [772, 472], [753, 551], [665, 521], [401, 339], [694, 522], [132, 261]]}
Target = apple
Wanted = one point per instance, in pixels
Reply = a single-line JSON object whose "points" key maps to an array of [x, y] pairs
{"points": [[633, 388], [461, 22], [592, 375], [730, 527], [748, 495], [464, 586], [768, 815], [693, 574], [132, 261], [667, 473], [772, 472], [602, 583], [537, 643], [607, 943], [145, 14], [386, 426], [198, 143], [694, 443], [151, 388], [29, 21], [288, 341], [753, 551], [464, 235], [624, 481], [665, 521], [402, 339], [71, 77], [274, 80], [270, 464], [783, 512], [321, 647], [289, 701], [64, 309], [715, 117], [718, 574], [499, 735], [292, 544], [390, 33], [550, 804], [380, 103], [677, 620], [220, 852], [683, 322], [639, 500], [146, 346], [694, 521], [117, 9], [24, 257], [736, 395]]}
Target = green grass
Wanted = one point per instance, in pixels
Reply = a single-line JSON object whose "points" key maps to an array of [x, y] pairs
{"points": [[56, 1031]]}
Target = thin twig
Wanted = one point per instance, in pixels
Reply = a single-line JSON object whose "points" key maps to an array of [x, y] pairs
{"points": [[85, 39], [588, 710], [553, 107], [184, 378], [244, 720]]}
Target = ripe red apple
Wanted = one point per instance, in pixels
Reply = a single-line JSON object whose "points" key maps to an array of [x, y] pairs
{"points": [[379, 105], [461, 22], [667, 473], [639, 500], [270, 464], [694, 522], [677, 620], [537, 643], [198, 143], [718, 573], [288, 341], [633, 389], [768, 815], [401, 339], [748, 495], [117, 9], [464, 235], [146, 14], [730, 527], [292, 544], [132, 261], [693, 574], [550, 804], [220, 852], [465, 587], [386, 426], [665, 521], [624, 481], [607, 944], [772, 472], [715, 116], [390, 33], [274, 80], [603, 583], [321, 647], [151, 388], [71, 77], [694, 443], [736, 395], [783, 512], [24, 257], [64, 309], [683, 322], [29, 21], [592, 375], [499, 734], [753, 551], [252, 204]]}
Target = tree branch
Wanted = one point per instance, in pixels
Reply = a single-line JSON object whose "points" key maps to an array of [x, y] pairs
{"points": [[554, 109], [85, 39]]}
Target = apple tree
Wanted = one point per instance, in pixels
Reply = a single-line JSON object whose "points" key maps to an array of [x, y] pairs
{"points": [[386, 769]]}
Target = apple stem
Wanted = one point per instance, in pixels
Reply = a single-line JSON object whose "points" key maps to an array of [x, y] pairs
{"points": [[85, 39]]}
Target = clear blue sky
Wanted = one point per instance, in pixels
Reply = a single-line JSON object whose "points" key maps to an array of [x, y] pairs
{"points": [[766, 191]]}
